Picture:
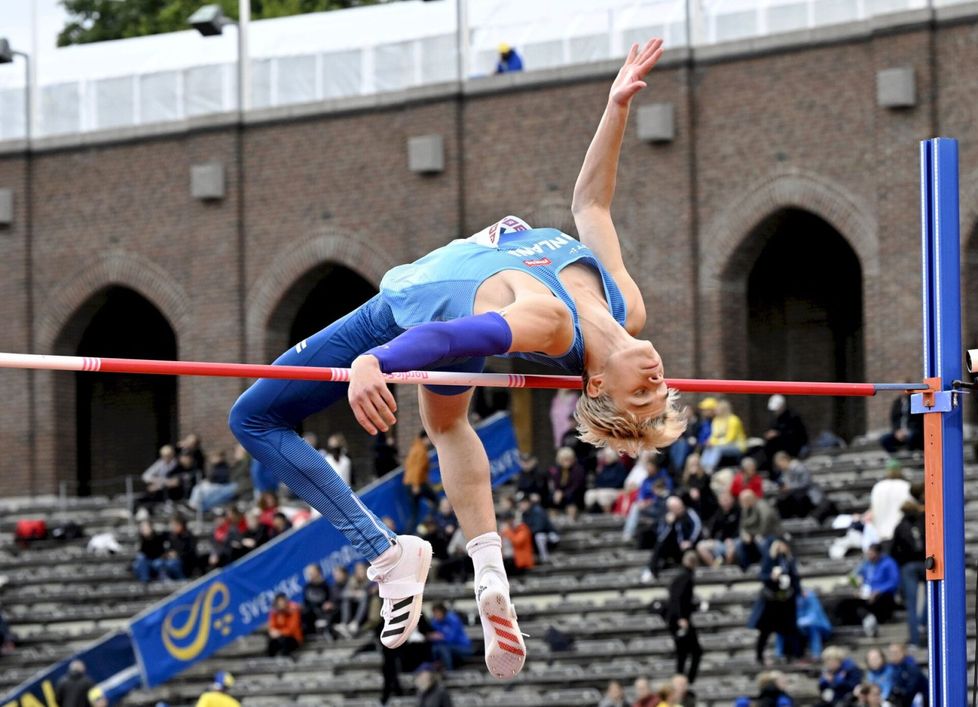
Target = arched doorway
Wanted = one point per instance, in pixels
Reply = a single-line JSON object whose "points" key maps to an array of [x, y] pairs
{"points": [[318, 298], [120, 420], [805, 318]]}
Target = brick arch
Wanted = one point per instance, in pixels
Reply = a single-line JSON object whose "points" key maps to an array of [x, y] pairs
{"points": [[732, 227], [130, 270], [282, 273]]}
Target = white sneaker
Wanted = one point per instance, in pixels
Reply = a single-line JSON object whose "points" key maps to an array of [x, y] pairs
{"points": [[647, 576], [505, 649], [401, 588]]}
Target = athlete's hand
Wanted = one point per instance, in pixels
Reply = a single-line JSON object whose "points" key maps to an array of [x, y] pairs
{"points": [[636, 67], [372, 403]]}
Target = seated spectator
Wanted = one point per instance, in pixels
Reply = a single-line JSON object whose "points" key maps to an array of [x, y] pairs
{"points": [[149, 562], [649, 502], [544, 534], [284, 627], [385, 454], [813, 624], [707, 410], [532, 479], [614, 696], [747, 478], [191, 444], [567, 479], [509, 60], [354, 599], [155, 478], [520, 538], [318, 608], [840, 677], [887, 498], [678, 531], [877, 580], [640, 471], [776, 609], [772, 690], [879, 672], [698, 494], [338, 458], [870, 695], [727, 438], [644, 697], [721, 534], [255, 534], [759, 525], [906, 429], [664, 695], [445, 519], [72, 689], [678, 452], [217, 489], [182, 477], [608, 482], [280, 524], [798, 495], [786, 432], [268, 505], [450, 645], [228, 537], [431, 693], [907, 550], [217, 695], [682, 696], [908, 679], [181, 545]]}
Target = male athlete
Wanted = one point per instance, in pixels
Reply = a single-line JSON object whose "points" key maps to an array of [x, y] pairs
{"points": [[508, 291]]}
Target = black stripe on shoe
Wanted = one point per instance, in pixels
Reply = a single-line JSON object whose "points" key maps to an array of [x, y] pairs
{"points": [[401, 604], [398, 619], [393, 632]]}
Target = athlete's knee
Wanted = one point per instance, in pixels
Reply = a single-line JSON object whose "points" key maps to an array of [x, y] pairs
{"points": [[245, 417]]}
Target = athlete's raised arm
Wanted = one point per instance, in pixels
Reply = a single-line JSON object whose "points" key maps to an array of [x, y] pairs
{"points": [[595, 186]]}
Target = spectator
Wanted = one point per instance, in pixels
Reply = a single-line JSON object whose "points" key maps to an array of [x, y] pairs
{"points": [[450, 645], [721, 534], [908, 679], [813, 624], [879, 579], [217, 695], [544, 534], [747, 478], [840, 677], [149, 562], [562, 407], [318, 608], [643, 694], [879, 672], [786, 432], [704, 427], [679, 617], [649, 501], [640, 470], [678, 452], [614, 696], [240, 471], [907, 429], [415, 478], [567, 478], [798, 495], [698, 494], [155, 477], [97, 698], [776, 610], [217, 489], [907, 550], [532, 479], [509, 60], [385, 454], [520, 538], [608, 482], [887, 498], [255, 534], [268, 505], [682, 696], [871, 696], [181, 548], [430, 691], [337, 457], [679, 530], [280, 524], [727, 438], [182, 478], [759, 525], [772, 690], [72, 689], [664, 695], [354, 601], [191, 445], [284, 627]]}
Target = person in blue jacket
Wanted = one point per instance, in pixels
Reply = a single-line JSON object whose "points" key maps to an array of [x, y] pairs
{"points": [[879, 578], [908, 679], [450, 645], [879, 672], [509, 60], [840, 677]]}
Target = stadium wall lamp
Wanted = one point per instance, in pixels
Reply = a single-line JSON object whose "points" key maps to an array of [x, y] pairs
{"points": [[209, 20]]}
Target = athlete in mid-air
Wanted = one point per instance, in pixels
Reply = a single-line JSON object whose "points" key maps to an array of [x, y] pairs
{"points": [[510, 290]]}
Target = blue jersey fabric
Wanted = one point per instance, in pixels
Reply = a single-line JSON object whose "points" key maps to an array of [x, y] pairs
{"points": [[443, 284]]}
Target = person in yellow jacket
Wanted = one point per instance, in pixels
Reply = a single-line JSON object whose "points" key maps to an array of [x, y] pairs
{"points": [[727, 437], [217, 695]]}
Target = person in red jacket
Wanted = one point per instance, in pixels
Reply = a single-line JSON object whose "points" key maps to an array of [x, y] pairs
{"points": [[747, 478], [284, 627]]}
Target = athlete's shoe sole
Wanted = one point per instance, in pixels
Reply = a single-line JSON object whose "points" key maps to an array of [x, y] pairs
{"points": [[505, 649], [403, 615]]}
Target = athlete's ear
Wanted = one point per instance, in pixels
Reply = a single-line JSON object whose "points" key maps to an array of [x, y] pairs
{"points": [[594, 385]]}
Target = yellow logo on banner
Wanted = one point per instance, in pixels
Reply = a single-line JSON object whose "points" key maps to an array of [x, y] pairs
{"points": [[187, 628]]}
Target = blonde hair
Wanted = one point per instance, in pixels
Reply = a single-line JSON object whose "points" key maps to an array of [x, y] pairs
{"points": [[601, 423]]}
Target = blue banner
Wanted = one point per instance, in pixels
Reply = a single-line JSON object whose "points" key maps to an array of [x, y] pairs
{"points": [[110, 662], [214, 611]]}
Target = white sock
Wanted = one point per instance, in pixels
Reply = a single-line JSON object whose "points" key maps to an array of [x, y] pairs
{"points": [[386, 560], [486, 552]]}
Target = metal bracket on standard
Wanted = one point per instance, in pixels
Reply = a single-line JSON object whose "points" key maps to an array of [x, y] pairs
{"points": [[933, 400]]}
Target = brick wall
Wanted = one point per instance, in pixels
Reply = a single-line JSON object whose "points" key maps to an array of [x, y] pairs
{"points": [[760, 133]]}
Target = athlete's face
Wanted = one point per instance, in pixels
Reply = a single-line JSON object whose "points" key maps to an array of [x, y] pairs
{"points": [[634, 379]]}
